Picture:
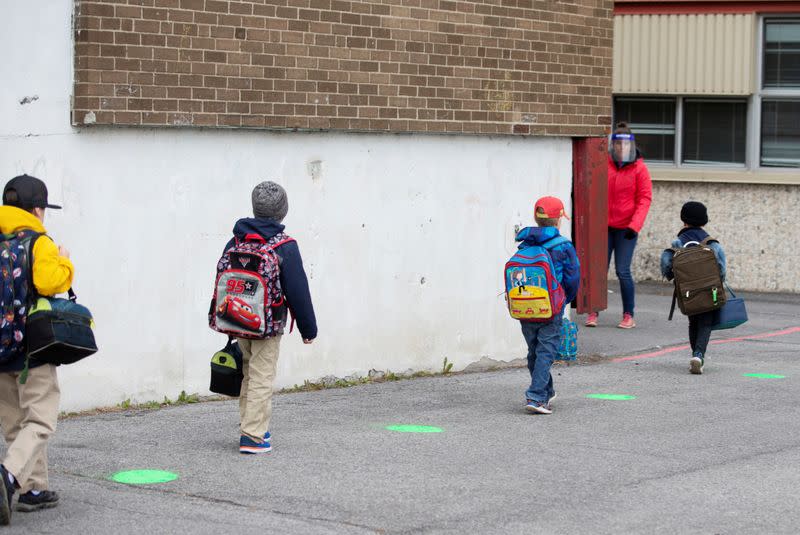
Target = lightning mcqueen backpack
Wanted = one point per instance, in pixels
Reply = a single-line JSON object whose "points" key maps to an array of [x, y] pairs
{"points": [[532, 291], [248, 300]]}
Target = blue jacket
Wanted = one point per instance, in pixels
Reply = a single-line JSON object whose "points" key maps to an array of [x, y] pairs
{"points": [[294, 282], [565, 259], [685, 236]]}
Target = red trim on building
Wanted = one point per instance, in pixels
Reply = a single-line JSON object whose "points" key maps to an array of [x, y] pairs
{"points": [[655, 7]]}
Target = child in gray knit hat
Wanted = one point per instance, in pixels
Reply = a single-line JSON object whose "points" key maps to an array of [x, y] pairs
{"points": [[260, 352], [270, 201]]}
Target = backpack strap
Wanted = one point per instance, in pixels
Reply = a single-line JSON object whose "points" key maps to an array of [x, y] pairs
{"points": [[672, 306], [708, 240], [32, 294]]}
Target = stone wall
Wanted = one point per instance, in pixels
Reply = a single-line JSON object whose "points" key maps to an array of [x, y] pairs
{"points": [[757, 225]]}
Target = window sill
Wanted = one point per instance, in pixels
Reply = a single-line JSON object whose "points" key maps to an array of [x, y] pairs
{"points": [[735, 176]]}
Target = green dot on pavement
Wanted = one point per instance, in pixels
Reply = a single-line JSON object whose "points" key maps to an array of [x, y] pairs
{"points": [[764, 375], [615, 397], [143, 477], [414, 428]]}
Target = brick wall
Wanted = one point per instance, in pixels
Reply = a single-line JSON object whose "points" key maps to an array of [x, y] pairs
{"points": [[498, 66]]}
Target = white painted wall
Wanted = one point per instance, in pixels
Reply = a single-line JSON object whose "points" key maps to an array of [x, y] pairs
{"points": [[403, 237]]}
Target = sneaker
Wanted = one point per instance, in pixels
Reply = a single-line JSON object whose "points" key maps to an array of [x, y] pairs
{"points": [[267, 436], [696, 364], [248, 445], [7, 490], [537, 407], [591, 320], [549, 401], [627, 322], [29, 501]]}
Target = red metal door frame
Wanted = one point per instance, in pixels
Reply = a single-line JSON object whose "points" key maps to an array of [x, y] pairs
{"points": [[590, 221]]}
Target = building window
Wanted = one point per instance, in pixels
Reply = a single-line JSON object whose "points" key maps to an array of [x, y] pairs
{"points": [[781, 53], [780, 133], [714, 131], [653, 124], [780, 93], [711, 131]]}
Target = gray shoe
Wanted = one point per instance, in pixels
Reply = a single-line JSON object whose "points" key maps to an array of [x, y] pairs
{"points": [[696, 365], [537, 407]]}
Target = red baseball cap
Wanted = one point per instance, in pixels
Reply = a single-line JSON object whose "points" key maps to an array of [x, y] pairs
{"points": [[549, 208]]}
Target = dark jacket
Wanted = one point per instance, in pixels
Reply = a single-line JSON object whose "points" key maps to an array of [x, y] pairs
{"points": [[565, 259], [294, 282], [685, 236]]}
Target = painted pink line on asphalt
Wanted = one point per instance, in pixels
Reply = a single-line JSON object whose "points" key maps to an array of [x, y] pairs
{"points": [[783, 332]]}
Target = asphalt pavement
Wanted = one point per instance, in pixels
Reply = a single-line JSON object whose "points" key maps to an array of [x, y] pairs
{"points": [[716, 453]]}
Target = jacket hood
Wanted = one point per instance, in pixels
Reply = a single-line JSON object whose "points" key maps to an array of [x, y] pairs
{"points": [[692, 234], [537, 235], [13, 219], [689, 234], [266, 228]]}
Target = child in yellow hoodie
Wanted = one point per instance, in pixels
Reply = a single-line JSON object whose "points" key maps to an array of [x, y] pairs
{"points": [[29, 411]]}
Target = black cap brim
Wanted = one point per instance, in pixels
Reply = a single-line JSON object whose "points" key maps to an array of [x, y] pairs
{"points": [[57, 207]]}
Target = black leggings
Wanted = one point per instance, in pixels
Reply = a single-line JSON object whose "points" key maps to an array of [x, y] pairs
{"points": [[700, 331]]}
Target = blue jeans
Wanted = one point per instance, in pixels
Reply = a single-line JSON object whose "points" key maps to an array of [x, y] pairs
{"points": [[543, 341], [622, 248]]}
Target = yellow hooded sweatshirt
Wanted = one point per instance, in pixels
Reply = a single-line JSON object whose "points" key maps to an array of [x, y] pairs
{"points": [[52, 273]]}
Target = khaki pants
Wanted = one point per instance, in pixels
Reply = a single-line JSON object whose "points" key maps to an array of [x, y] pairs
{"points": [[28, 416], [260, 359]]}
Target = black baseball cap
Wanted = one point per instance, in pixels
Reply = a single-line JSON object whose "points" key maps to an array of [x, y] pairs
{"points": [[30, 193]]}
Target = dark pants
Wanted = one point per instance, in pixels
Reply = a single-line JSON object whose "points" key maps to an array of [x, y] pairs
{"points": [[622, 248], [700, 331], [543, 341]]}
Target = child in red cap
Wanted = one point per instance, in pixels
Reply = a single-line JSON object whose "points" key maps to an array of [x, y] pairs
{"points": [[543, 339]]}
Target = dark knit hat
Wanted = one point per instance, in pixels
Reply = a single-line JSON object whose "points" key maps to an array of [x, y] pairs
{"points": [[694, 214], [270, 201]]}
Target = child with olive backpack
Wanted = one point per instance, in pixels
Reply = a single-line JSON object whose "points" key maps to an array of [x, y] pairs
{"points": [[696, 263]]}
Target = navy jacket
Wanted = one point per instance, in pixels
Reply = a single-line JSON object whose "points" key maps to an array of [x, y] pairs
{"points": [[685, 236], [294, 282], [565, 259]]}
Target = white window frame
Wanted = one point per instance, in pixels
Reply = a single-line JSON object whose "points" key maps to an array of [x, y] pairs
{"points": [[645, 128], [770, 94], [679, 100]]}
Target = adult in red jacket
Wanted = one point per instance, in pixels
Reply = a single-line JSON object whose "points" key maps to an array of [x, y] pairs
{"points": [[629, 195]]}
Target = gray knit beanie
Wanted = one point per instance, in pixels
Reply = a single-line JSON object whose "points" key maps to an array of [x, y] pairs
{"points": [[270, 201]]}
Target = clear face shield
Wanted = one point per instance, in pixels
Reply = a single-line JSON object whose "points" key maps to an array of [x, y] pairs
{"points": [[622, 148]]}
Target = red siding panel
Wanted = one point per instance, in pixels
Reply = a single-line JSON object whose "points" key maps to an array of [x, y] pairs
{"points": [[590, 221]]}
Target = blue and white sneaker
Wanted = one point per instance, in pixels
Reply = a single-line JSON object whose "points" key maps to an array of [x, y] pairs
{"points": [[538, 407], [248, 445]]}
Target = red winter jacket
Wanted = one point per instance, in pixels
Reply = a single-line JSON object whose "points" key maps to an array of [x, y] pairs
{"points": [[629, 194]]}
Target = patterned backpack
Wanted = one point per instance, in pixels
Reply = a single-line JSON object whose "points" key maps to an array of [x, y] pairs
{"points": [[532, 291], [248, 300], [15, 269]]}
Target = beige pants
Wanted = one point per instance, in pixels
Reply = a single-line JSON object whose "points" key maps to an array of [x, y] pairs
{"points": [[260, 359], [28, 416]]}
